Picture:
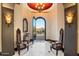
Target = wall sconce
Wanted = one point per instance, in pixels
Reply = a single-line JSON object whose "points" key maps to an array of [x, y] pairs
{"points": [[8, 18], [69, 17]]}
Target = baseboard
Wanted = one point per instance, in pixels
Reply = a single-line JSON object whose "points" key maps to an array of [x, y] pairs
{"points": [[15, 49], [0, 53], [48, 39], [77, 54]]}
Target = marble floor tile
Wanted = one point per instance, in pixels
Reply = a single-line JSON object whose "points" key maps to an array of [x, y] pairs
{"points": [[39, 48]]}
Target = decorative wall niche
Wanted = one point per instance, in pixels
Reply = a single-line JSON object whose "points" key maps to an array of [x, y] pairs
{"points": [[25, 25]]}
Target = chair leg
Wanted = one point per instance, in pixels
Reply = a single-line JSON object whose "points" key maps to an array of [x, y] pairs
{"points": [[32, 42], [27, 48], [62, 49], [51, 48], [18, 47], [56, 52], [19, 52]]}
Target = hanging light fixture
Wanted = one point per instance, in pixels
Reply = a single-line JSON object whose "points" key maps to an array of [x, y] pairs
{"points": [[39, 6]]}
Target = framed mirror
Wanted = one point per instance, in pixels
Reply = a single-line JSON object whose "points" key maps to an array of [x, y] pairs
{"points": [[25, 25]]}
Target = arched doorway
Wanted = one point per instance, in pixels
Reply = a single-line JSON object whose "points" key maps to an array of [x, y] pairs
{"points": [[39, 28]]}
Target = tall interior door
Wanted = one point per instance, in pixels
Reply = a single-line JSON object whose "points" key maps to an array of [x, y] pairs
{"points": [[70, 43], [33, 28], [7, 32], [38, 28]]}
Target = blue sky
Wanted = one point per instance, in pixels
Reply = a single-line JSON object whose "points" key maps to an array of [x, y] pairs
{"points": [[39, 23]]}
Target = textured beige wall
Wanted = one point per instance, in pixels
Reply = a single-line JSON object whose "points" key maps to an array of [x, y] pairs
{"points": [[78, 32], [18, 17], [0, 30], [60, 18]]}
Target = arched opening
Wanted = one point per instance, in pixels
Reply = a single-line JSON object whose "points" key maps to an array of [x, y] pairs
{"points": [[39, 28]]}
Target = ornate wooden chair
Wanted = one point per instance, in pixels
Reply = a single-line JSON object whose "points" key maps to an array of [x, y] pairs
{"points": [[20, 44], [58, 45]]}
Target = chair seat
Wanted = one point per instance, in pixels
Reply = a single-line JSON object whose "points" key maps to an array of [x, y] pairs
{"points": [[50, 40], [22, 46], [57, 46]]}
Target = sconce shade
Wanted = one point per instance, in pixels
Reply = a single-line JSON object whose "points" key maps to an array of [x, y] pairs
{"points": [[69, 17], [8, 18]]}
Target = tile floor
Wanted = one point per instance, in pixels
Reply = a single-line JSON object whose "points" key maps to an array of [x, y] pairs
{"points": [[39, 48]]}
